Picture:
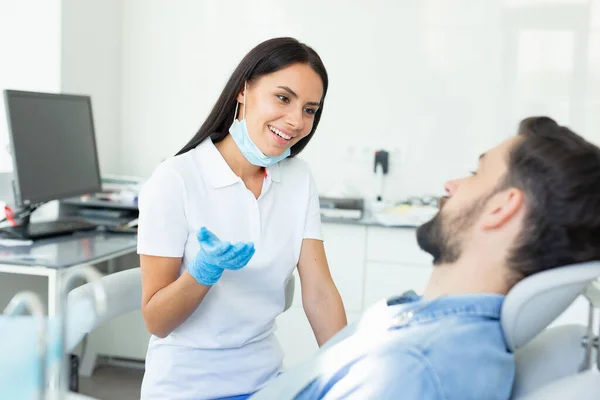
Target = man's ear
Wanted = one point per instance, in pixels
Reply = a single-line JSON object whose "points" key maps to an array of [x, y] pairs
{"points": [[501, 208]]}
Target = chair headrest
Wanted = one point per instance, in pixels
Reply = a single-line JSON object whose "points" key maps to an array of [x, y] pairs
{"points": [[539, 299]]}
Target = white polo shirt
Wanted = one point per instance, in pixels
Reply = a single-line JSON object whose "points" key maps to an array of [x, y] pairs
{"points": [[227, 346]]}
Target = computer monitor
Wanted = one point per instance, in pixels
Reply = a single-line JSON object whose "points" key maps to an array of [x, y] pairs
{"points": [[54, 155], [53, 146]]}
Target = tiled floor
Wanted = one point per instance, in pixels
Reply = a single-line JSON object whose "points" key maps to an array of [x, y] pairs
{"points": [[112, 383]]}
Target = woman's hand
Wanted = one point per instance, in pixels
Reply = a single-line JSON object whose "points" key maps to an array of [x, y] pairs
{"points": [[216, 255]]}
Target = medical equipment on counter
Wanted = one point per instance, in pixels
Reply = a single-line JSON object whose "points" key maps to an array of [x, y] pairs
{"points": [[342, 208], [405, 215], [413, 211]]}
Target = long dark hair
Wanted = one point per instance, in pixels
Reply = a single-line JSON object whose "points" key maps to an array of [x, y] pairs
{"points": [[268, 57]]}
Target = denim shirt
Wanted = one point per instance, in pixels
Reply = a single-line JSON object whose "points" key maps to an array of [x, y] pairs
{"points": [[452, 348]]}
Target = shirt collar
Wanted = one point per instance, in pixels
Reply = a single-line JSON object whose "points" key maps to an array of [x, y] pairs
{"points": [[274, 172], [483, 305], [213, 166], [217, 171]]}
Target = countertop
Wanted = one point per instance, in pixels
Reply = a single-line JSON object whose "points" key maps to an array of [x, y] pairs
{"points": [[366, 220]]}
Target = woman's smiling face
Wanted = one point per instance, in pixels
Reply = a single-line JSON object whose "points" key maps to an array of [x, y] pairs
{"points": [[281, 107]]}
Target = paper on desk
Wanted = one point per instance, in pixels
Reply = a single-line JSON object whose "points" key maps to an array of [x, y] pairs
{"points": [[15, 242]]}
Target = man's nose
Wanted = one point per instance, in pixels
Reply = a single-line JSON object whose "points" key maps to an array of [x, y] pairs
{"points": [[451, 186]]}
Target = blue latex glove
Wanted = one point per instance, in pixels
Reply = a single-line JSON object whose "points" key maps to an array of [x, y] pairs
{"points": [[215, 256]]}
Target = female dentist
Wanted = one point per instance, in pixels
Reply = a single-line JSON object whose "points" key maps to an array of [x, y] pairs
{"points": [[222, 226]]}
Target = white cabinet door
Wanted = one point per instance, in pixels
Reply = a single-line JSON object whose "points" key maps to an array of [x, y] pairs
{"points": [[345, 249], [296, 336], [395, 245], [384, 280], [125, 336]]}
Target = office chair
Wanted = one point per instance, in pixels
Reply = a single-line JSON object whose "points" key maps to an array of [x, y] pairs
{"points": [[545, 355]]}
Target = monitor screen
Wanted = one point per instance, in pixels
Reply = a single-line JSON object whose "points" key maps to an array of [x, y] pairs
{"points": [[53, 145]]}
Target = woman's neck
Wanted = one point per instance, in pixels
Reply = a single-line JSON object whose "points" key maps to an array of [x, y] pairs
{"points": [[236, 160]]}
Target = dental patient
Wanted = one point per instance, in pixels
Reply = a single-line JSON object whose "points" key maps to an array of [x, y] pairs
{"points": [[533, 204]]}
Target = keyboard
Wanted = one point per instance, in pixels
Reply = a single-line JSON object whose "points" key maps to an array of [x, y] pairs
{"points": [[40, 230]]}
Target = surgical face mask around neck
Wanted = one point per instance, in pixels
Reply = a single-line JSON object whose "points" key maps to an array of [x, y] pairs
{"points": [[239, 133]]}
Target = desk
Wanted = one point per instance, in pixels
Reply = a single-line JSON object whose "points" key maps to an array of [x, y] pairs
{"points": [[53, 257]]}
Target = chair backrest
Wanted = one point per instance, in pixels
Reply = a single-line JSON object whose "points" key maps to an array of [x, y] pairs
{"points": [[528, 309], [123, 295], [554, 354], [538, 300]]}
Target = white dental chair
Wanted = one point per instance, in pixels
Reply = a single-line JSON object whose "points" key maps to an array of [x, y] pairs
{"points": [[528, 309], [545, 356], [123, 295], [583, 381]]}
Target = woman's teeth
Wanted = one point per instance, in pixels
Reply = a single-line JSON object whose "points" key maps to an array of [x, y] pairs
{"points": [[279, 133]]}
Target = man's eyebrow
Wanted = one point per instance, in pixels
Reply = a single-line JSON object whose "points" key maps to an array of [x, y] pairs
{"points": [[293, 94], [481, 157]]}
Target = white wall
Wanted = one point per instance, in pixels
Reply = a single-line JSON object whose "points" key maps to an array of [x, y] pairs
{"points": [[72, 46], [92, 64], [30, 43], [435, 81]]}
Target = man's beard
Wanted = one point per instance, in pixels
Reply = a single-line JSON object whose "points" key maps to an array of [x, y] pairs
{"points": [[444, 234]]}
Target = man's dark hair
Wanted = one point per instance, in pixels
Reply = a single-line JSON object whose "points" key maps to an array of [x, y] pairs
{"points": [[559, 174]]}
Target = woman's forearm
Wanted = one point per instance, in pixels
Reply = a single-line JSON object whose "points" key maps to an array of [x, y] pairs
{"points": [[172, 305], [325, 312]]}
